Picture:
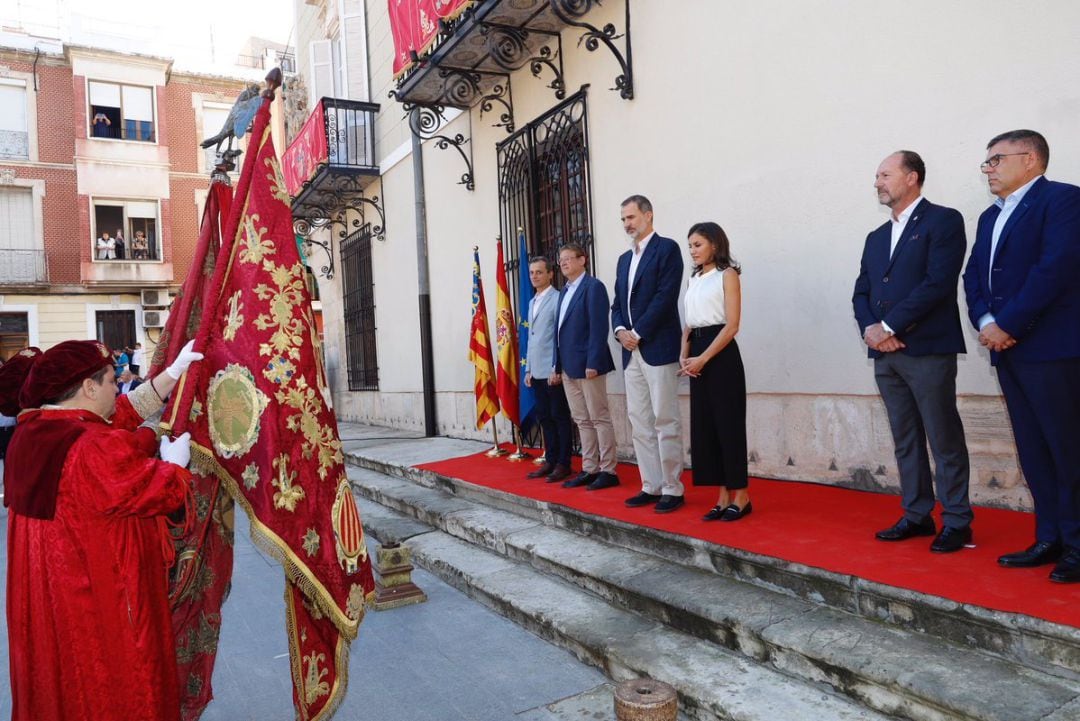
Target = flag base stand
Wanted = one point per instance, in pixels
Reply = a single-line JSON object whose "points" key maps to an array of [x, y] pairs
{"points": [[394, 586], [518, 455], [495, 451]]}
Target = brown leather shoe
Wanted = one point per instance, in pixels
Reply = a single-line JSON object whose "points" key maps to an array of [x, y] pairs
{"points": [[541, 471], [558, 473]]}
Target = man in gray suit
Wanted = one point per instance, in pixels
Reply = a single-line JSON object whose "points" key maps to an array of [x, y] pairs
{"points": [[551, 408]]}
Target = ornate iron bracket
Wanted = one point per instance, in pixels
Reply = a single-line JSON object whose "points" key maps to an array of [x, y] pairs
{"points": [[340, 208], [570, 12], [508, 47], [426, 121]]}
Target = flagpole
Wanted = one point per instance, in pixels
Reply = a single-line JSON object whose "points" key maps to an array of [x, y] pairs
{"points": [[517, 454], [495, 452]]}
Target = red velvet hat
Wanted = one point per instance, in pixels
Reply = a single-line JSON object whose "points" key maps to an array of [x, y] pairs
{"points": [[12, 375], [61, 367]]}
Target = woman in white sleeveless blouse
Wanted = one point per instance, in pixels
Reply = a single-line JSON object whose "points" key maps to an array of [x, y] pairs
{"points": [[710, 357]]}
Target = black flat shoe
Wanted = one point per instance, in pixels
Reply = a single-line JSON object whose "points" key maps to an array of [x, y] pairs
{"points": [[1067, 569], [951, 539], [714, 514], [667, 504], [641, 499], [905, 529], [1039, 553], [734, 513]]}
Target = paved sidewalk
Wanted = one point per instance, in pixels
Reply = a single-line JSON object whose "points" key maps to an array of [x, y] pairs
{"points": [[449, 659]]}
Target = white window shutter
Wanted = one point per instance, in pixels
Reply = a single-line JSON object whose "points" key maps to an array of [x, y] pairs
{"points": [[322, 70]]}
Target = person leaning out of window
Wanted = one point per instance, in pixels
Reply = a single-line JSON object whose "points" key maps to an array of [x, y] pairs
{"points": [[710, 357]]}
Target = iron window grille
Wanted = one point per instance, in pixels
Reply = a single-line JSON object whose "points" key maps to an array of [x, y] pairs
{"points": [[544, 188], [359, 290]]}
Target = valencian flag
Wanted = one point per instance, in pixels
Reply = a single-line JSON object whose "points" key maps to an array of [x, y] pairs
{"points": [[201, 576], [506, 340], [525, 294], [257, 407], [487, 400]]}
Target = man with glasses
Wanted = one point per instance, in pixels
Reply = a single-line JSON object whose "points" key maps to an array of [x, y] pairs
{"points": [[582, 360], [906, 308], [1023, 295]]}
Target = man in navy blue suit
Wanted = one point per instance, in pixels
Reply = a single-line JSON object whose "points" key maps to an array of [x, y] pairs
{"points": [[582, 361], [645, 318], [905, 304], [1023, 295]]}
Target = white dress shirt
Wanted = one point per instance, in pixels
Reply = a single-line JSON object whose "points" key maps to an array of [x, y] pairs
{"points": [[635, 260], [899, 223], [571, 288], [1007, 207]]}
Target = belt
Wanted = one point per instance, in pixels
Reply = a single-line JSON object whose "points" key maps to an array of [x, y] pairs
{"points": [[706, 330]]}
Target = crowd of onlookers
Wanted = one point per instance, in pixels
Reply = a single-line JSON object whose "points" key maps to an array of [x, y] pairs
{"points": [[114, 247]]}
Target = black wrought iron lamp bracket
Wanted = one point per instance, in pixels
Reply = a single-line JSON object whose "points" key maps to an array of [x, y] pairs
{"points": [[571, 12], [341, 209], [425, 121]]}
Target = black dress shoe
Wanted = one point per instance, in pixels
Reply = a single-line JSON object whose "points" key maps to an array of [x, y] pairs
{"points": [[603, 480], [714, 514], [581, 479], [642, 499], [667, 504], [559, 473], [734, 513], [905, 529], [541, 471], [1039, 553], [1067, 569], [951, 539]]}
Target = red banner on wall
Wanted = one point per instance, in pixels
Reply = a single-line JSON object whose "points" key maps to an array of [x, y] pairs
{"points": [[415, 25], [306, 152]]}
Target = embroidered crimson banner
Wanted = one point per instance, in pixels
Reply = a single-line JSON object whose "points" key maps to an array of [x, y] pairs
{"points": [[414, 25], [306, 153], [258, 408]]}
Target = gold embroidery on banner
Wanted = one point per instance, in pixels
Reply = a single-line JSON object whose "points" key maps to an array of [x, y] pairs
{"points": [[235, 407], [279, 370], [288, 495], [144, 400], [288, 332], [250, 476], [315, 435], [311, 542], [314, 686], [277, 181], [348, 533], [233, 319], [255, 248], [196, 410], [354, 607]]}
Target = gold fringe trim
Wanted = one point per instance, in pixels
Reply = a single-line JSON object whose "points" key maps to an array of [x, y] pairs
{"points": [[263, 537], [341, 669]]}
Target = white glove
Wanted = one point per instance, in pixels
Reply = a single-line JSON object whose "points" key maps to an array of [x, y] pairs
{"points": [[176, 451], [185, 358]]}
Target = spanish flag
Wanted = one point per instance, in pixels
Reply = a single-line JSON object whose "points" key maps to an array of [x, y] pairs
{"points": [[506, 340], [487, 400]]}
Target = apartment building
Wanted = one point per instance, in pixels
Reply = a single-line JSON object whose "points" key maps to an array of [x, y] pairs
{"points": [[102, 183]]}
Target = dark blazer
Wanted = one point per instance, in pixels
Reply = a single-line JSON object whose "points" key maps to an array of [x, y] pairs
{"points": [[653, 301], [1035, 294], [914, 290], [582, 340], [135, 383]]}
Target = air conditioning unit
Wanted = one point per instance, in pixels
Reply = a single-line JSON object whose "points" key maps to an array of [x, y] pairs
{"points": [[156, 297], [154, 318]]}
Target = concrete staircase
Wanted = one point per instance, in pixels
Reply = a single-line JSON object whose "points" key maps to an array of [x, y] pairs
{"points": [[740, 636]]}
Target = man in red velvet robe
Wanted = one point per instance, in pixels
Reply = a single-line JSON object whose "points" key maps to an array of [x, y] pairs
{"points": [[89, 626]]}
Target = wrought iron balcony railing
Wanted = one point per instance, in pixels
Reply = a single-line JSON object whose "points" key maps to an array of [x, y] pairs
{"points": [[23, 267], [338, 139]]}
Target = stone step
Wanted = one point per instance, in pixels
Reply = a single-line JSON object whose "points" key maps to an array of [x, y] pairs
{"points": [[889, 669], [713, 683], [1033, 642]]}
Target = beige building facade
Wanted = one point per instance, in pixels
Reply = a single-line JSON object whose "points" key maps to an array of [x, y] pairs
{"points": [[767, 118]]}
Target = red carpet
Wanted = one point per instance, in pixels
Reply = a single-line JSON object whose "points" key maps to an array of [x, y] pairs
{"points": [[821, 526]]}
